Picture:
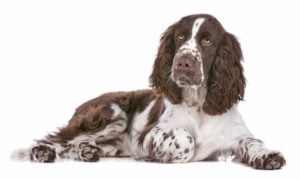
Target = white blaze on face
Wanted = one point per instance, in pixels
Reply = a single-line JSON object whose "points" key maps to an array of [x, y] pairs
{"points": [[190, 46]]}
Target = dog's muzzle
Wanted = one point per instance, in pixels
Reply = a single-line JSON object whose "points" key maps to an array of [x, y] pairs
{"points": [[186, 69]]}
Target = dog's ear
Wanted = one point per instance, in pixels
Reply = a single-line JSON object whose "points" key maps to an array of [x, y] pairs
{"points": [[226, 82], [160, 78]]}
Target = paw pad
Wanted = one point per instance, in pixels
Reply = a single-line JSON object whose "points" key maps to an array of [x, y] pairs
{"points": [[89, 152], [271, 161], [42, 153]]}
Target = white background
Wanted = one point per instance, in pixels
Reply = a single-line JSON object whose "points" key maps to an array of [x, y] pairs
{"points": [[56, 54]]}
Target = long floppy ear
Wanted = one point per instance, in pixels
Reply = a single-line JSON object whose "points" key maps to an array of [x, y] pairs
{"points": [[226, 82], [160, 78]]}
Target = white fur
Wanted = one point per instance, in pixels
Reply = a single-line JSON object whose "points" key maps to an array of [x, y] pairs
{"points": [[194, 95], [20, 154], [141, 119], [190, 46], [130, 144], [178, 149], [221, 132], [117, 111], [211, 133], [108, 150]]}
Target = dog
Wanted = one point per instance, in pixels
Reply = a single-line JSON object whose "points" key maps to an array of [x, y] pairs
{"points": [[190, 113]]}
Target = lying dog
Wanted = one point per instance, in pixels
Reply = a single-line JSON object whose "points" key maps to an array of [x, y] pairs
{"points": [[189, 115]]}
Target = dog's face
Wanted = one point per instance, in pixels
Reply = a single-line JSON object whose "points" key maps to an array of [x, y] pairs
{"points": [[196, 41], [197, 53]]}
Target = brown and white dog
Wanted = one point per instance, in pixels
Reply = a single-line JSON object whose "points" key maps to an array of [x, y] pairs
{"points": [[189, 115]]}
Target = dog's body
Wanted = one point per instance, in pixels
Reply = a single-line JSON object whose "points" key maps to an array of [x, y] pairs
{"points": [[190, 114]]}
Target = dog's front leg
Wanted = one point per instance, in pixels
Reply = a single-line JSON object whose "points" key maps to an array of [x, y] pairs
{"points": [[252, 151], [170, 145]]}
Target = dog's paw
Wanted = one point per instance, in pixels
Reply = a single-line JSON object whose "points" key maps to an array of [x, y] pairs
{"points": [[42, 153], [89, 152], [270, 161]]}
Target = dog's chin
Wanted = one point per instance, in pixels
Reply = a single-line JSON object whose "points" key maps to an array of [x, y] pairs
{"points": [[183, 84], [187, 84], [184, 81]]}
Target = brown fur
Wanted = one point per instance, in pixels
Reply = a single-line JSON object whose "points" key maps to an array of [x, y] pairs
{"points": [[160, 77], [93, 115], [225, 86], [225, 83], [223, 77]]}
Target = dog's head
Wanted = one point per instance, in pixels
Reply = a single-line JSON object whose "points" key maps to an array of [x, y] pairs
{"points": [[196, 52]]}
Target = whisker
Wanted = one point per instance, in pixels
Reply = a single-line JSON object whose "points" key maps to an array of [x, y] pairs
{"points": [[169, 72]]}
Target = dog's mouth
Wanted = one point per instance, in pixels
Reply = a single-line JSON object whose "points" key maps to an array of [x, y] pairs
{"points": [[186, 72], [184, 81]]}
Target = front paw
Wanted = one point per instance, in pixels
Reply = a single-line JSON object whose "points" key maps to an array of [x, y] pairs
{"points": [[270, 161]]}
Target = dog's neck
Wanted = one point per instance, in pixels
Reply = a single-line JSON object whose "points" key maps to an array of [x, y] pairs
{"points": [[194, 95]]}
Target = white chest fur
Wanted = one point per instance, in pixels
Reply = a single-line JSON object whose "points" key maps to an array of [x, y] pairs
{"points": [[181, 116], [211, 133]]}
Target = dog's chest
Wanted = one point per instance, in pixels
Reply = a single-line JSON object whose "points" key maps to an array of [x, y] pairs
{"points": [[182, 116], [205, 129]]}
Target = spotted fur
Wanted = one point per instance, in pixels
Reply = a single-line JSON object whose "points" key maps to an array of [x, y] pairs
{"points": [[189, 115]]}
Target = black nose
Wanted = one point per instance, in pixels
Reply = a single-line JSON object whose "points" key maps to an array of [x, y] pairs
{"points": [[184, 63]]}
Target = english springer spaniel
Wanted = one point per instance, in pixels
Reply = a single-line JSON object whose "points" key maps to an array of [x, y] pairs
{"points": [[189, 115]]}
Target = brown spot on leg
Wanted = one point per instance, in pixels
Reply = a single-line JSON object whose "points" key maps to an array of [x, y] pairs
{"points": [[121, 154], [177, 145], [190, 139]]}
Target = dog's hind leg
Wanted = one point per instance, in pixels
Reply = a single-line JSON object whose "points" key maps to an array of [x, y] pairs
{"points": [[85, 137], [103, 142]]}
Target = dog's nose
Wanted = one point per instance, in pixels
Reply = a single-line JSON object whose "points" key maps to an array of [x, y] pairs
{"points": [[184, 63]]}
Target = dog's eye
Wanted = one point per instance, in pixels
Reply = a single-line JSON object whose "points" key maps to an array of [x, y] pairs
{"points": [[206, 42], [181, 37]]}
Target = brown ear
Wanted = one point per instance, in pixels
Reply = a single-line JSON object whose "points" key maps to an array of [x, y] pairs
{"points": [[160, 77], [226, 82]]}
